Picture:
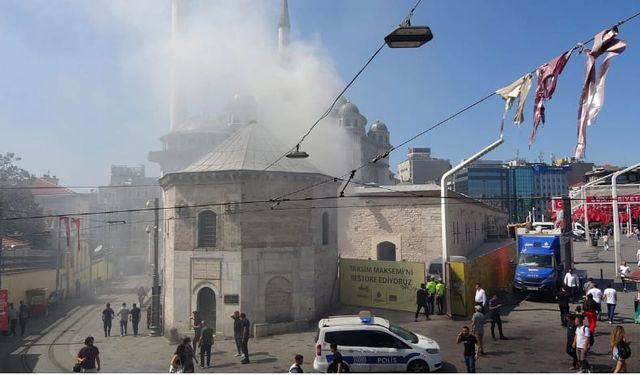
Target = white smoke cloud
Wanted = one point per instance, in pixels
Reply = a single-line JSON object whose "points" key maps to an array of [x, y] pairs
{"points": [[228, 48]]}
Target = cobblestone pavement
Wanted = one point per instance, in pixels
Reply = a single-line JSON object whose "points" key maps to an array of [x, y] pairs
{"points": [[536, 339]]}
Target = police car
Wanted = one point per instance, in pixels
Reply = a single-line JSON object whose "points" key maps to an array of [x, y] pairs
{"points": [[373, 344]]}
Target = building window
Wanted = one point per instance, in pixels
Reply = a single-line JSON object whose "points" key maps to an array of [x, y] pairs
{"points": [[386, 251], [325, 228], [207, 229]]}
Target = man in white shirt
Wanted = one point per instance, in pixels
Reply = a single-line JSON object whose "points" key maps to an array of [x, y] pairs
{"points": [[597, 298], [638, 255], [481, 297], [610, 297], [581, 342], [624, 271], [571, 282]]}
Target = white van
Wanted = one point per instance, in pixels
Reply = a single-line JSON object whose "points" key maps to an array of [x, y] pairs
{"points": [[372, 344], [578, 229]]}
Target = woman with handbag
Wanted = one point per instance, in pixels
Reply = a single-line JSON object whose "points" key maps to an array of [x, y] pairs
{"points": [[88, 357], [176, 360], [619, 349]]}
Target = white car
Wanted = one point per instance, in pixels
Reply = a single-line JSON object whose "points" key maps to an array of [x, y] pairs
{"points": [[372, 344]]}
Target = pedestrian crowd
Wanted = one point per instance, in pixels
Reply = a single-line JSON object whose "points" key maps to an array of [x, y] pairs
{"points": [[124, 315], [17, 317], [581, 324]]}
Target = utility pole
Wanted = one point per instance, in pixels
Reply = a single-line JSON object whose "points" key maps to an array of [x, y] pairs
{"points": [[58, 259], [155, 289]]}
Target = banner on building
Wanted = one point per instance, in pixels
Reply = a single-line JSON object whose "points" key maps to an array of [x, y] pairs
{"points": [[382, 284], [4, 310]]}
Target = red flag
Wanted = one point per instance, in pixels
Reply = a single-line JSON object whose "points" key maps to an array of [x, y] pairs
{"points": [[65, 220], [76, 221]]}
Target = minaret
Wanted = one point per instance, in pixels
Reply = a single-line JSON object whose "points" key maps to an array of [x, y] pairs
{"points": [[283, 28], [177, 105]]}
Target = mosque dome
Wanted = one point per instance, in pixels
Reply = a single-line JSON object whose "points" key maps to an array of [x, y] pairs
{"points": [[379, 126], [348, 108]]}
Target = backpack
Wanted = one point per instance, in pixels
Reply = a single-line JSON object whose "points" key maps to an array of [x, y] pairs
{"points": [[624, 350]]}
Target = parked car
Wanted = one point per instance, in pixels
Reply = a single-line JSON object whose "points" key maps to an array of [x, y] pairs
{"points": [[373, 344]]}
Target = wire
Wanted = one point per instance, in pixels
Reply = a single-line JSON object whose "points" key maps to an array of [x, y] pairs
{"points": [[328, 111]]}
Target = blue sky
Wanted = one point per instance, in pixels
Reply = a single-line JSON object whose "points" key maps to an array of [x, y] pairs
{"points": [[76, 94]]}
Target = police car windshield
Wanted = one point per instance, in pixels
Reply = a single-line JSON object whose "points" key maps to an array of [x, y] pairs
{"points": [[407, 335]]}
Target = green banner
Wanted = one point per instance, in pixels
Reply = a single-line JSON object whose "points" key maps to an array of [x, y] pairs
{"points": [[379, 283]]}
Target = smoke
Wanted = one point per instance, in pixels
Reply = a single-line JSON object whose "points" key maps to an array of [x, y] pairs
{"points": [[229, 48]]}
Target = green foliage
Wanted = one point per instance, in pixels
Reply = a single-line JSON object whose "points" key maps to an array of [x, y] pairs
{"points": [[16, 201]]}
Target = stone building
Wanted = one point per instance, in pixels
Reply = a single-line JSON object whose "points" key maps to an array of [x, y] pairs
{"points": [[421, 168], [277, 262], [405, 224]]}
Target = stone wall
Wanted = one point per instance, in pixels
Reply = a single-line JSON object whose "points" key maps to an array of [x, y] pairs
{"points": [[254, 245], [413, 225]]}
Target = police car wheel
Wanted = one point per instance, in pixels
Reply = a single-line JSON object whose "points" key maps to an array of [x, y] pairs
{"points": [[418, 366]]}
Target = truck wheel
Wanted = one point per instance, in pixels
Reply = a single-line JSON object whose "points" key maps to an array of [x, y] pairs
{"points": [[418, 366]]}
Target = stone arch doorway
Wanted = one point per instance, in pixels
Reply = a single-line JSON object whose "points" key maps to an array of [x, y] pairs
{"points": [[386, 251], [207, 306], [278, 300]]}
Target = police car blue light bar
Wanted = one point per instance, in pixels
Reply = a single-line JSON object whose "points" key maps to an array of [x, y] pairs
{"points": [[366, 317]]}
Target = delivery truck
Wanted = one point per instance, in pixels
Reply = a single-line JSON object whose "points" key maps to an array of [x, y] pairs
{"points": [[544, 256]]}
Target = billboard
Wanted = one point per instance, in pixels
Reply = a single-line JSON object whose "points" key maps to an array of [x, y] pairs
{"points": [[4, 310], [379, 283]]}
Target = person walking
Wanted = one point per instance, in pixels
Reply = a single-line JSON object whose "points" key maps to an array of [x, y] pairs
{"points": [[605, 241], [149, 317], [624, 272], [205, 345], [571, 334], [571, 282], [494, 314], [337, 364], [440, 296], [638, 252], [89, 356], [188, 356], [296, 367], [135, 319], [123, 314], [563, 303], [616, 342], [421, 301], [107, 317], [610, 297], [142, 292], [175, 364], [596, 293], [581, 343], [480, 297], [13, 319], [471, 348], [246, 330], [237, 332], [590, 313], [431, 296], [477, 327], [197, 329], [23, 315]]}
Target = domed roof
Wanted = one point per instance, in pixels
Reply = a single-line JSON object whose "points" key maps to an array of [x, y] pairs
{"points": [[379, 126], [253, 148], [348, 108]]}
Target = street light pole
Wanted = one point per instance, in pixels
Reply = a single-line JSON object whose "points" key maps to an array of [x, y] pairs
{"points": [[443, 214], [616, 219], [155, 289]]}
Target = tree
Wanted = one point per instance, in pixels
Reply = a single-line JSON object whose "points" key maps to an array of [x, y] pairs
{"points": [[16, 201]]}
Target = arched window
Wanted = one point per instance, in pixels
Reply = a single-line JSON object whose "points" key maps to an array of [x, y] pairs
{"points": [[386, 251], [325, 228], [207, 229]]}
